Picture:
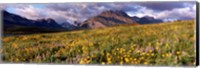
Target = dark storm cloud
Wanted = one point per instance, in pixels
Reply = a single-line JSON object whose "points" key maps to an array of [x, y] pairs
{"points": [[81, 11], [62, 12], [86, 10], [161, 6]]}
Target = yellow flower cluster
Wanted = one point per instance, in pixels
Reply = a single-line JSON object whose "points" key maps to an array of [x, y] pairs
{"points": [[85, 60], [155, 44]]}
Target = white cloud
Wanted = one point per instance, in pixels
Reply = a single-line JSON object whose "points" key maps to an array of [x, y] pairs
{"points": [[194, 7], [180, 13], [176, 13], [2, 6], [29, 12], [145, 12], [81, 11], [60, 16]]}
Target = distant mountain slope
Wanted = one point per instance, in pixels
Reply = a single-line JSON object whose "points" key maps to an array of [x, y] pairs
{"points": [[146, 20], [68, 26], [108, 18], [10, 20], [14, 23], [47, 23]]}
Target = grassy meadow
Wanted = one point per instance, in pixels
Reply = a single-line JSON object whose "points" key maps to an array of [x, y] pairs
{"points": [[163, 44]]}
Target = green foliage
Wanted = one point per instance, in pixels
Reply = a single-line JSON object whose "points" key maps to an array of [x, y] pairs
{"points": [[154, 44]]}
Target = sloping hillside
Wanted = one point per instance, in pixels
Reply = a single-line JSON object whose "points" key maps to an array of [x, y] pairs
{"points": [[154, 44], [15, 24], [108, 18], [146, 20]]}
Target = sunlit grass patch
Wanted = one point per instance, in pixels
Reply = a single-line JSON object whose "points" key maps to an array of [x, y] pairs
{"points": [[154, 44]]}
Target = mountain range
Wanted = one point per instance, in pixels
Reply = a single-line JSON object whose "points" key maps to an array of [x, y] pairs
{"points": [[146, 20], [15, 23], [108, 18]]}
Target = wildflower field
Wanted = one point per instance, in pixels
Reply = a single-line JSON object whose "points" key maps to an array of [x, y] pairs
{"points": [[163, 44]]}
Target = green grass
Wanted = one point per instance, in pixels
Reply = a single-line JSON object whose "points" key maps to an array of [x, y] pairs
{"points": [[153, 44]]}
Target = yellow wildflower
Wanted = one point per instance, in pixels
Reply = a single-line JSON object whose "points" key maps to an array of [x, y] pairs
{"points": [[121, 62], [16, 59], [109, 59], [24, 38], [141, 58], [178, 52], [145, 63], [152, 54], [143, 53], [6, 39], [14, 45], [168, 54], [150, 51], [126, 59], [157, 48], [129, 51], [163, 55], [138, 51], [157, 43], [109, 62], [103, 63], [135, 59], [90, 44], [81, 62], [167, 45]]}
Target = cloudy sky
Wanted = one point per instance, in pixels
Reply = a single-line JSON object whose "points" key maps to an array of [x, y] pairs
{"points": [[62, 12]]}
